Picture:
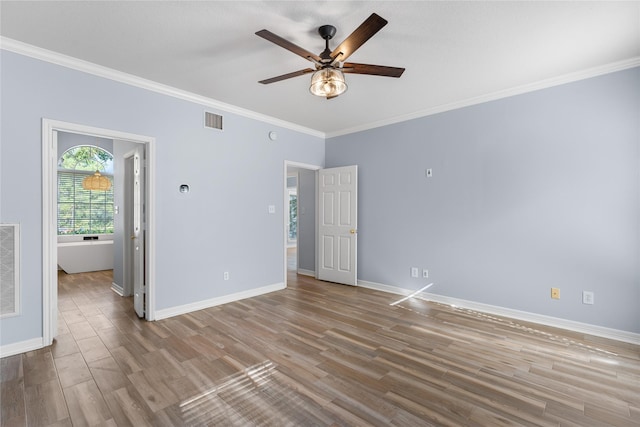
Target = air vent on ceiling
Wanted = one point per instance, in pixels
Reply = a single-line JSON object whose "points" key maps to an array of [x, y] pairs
{"points": [[213, 121]]}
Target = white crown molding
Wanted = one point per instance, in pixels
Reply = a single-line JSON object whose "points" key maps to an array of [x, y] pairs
{"points": [[200, 305], [111, 74], [541, 319], [518, 90], [119, 76]]}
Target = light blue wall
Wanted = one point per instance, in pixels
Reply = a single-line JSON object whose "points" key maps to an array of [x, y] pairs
{"points": [[529, 192], [216, 227]]}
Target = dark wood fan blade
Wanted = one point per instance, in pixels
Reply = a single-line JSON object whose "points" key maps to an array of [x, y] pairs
{"points": [[364, 32], [286, 76], [274, 38], [376, 70]]}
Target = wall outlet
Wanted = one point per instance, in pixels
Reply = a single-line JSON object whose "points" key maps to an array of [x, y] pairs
{"points": [[555, 293], [414, 271], [425, 274], [226, 275], [588, 297]]}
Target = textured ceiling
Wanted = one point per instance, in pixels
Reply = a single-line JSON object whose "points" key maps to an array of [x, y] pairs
{"points": [[452, 51]]}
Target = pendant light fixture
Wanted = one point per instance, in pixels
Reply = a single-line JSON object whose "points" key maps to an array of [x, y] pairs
{"points": [[96, 182], [328, 82]]}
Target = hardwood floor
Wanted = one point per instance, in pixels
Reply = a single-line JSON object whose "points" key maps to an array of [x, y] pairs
{"points": [[315, 354]]}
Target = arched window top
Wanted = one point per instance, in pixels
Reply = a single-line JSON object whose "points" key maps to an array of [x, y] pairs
{"points": [[87, 158]]}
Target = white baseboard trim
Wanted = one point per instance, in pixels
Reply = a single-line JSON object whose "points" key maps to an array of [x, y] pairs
{"points": [[21, 347], [384, 288], [200, 305], [583, 328], [117, 289], [306, 272]]}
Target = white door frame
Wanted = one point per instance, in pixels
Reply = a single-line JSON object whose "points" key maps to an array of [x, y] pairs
{"points": [[134, 223], [285, 214], [49, 216]]}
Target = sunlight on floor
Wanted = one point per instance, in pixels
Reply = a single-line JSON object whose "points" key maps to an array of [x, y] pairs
{"points": [[510, 323], [258, 395]]}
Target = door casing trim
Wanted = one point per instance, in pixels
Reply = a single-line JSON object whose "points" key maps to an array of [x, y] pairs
{"points": [[49, 215]]}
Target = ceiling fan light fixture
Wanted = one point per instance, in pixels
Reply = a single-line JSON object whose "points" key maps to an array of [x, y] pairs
{"points": [[328, 83]]}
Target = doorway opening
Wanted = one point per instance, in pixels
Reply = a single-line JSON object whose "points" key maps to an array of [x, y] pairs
{"points": [[327, 214], [299, 243], [50, 133], [292, 224]]}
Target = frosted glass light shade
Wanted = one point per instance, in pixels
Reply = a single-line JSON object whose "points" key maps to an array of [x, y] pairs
{"points": [[328, 82], [96, 182]]}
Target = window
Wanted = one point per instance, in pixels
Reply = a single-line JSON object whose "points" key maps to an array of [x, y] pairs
{"points": [[83, 211], [293, 216]]}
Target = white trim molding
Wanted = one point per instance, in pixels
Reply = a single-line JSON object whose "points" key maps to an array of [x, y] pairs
{"points": [[517, 90], [21, 347], [213, 302], [583, 328], [35, 52], [129, 79], [117, 289], [50, 129]]}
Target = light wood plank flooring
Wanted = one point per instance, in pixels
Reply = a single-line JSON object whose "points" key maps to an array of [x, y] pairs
{"points": [[315, 354]]}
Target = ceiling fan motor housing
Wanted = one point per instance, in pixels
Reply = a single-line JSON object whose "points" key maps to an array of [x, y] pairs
{"points": [[327, 31]]}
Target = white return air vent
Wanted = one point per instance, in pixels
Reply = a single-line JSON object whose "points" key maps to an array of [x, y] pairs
{"points": [[213, 121], [9, 270]]}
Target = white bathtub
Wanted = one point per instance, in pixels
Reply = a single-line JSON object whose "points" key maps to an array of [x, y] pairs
{"points": [[76, 255]]}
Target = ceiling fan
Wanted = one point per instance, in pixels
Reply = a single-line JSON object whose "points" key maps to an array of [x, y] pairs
{"points": [[328, 78]]}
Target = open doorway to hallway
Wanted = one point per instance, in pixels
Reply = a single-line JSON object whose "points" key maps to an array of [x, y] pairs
{"points": [[300, 253], [292, 260]]}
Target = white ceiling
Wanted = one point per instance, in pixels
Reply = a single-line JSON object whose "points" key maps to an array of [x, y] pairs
{"points": [[453, 52]]}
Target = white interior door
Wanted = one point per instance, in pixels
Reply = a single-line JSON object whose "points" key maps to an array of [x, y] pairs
{"points": [[337, 241], [134, 253]]}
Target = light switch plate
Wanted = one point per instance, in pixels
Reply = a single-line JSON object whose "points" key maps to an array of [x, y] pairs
{"points": [[588, 297]]}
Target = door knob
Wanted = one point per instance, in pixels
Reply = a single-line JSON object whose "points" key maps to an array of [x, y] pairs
{"points": [[133, 237], [353, 231]]}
